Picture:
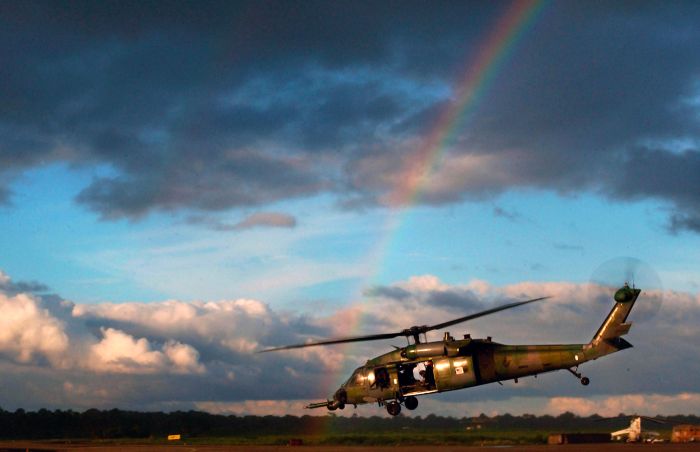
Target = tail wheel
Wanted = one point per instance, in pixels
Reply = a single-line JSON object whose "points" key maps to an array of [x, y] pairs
{"points": [[411, 403], [393, 408], [585, 381]]}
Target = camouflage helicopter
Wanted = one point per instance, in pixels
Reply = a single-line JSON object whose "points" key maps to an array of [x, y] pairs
{"points": [[397, 377]]}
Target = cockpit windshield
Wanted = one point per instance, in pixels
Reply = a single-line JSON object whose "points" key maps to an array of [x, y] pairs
{"points": [[356, 378]]}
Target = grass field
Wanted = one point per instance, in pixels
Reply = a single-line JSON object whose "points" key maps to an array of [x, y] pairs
{"points": [[403, 437]]}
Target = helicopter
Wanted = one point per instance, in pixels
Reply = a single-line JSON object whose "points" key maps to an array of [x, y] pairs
{"points": [[634, 432], [396, 378]]}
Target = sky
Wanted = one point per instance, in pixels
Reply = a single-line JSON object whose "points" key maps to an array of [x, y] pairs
{"points": [[183, 184]]}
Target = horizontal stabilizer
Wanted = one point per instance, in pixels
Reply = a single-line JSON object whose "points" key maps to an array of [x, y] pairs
{"points": [[619, 343]]}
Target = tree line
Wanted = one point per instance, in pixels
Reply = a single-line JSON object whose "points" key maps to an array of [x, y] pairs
{"points": [[106, 424]]}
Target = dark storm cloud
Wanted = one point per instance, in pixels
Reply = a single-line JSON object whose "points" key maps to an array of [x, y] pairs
{"points": [[453, 299], [456, 300], [663, 174], [9, 287], [4, 196], [208, 106], [594, 99], [238, 179], [392, 292], [681, 221]]}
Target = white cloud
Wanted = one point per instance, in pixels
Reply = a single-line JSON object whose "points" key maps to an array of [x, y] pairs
{"points": [[28, 330], [120, 352], [184, 357], [645, 404], [424, 283], [232, 323]]}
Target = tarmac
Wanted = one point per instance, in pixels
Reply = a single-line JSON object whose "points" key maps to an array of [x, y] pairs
{"points": [[27, 446]]}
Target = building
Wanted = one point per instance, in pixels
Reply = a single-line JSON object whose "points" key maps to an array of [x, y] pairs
{"points": [[685, 434]]}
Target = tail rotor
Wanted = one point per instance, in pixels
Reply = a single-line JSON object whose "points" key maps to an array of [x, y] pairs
{"points": [[613, 273]]}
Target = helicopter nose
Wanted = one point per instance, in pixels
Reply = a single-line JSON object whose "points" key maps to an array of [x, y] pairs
{"points": [[341, 396]]}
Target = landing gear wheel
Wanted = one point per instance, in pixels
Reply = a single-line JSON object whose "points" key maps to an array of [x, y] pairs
{"points": [[393, 408], [332, 407], [411, 403], [341, 405], [584, 380]]}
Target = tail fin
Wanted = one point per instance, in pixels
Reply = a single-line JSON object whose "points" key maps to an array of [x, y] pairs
{"points": [[607, 339]]}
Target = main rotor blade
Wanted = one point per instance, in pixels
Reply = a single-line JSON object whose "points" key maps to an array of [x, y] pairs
{"points": [[653, 419], [407, 332], [632, 416], [483, 313], [371, 337]]}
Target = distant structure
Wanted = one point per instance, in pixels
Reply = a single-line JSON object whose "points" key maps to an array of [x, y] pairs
{"points": [[634, 432], [578, 438], [685, 434]]}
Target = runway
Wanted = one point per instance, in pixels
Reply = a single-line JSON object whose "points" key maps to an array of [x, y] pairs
{"points": [[27, 446]]}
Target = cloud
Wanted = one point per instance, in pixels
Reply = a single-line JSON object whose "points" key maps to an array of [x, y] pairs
{"points": [[266, 219], [119, 352], [396, 293], [254, 220], [649, 404], [195, 110], [28, 331], [239, 179], [572, 315], [680, 222], [181, 355], [10, 287]]}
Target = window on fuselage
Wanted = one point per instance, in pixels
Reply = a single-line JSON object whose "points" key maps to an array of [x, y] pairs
{"points": [[381, 377]]}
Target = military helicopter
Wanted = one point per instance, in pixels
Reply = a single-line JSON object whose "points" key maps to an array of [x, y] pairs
{"points": [[397, 377], [634, 432]]}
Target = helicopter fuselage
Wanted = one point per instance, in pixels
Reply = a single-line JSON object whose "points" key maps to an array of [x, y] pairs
{"points": [[397, 377], [461, 364]]}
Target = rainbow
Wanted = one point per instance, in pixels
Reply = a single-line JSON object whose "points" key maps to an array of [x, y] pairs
{"points": [[479, 74], [471, 89]]}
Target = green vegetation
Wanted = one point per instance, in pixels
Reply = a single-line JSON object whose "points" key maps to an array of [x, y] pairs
{"points": [[129, 427]]}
